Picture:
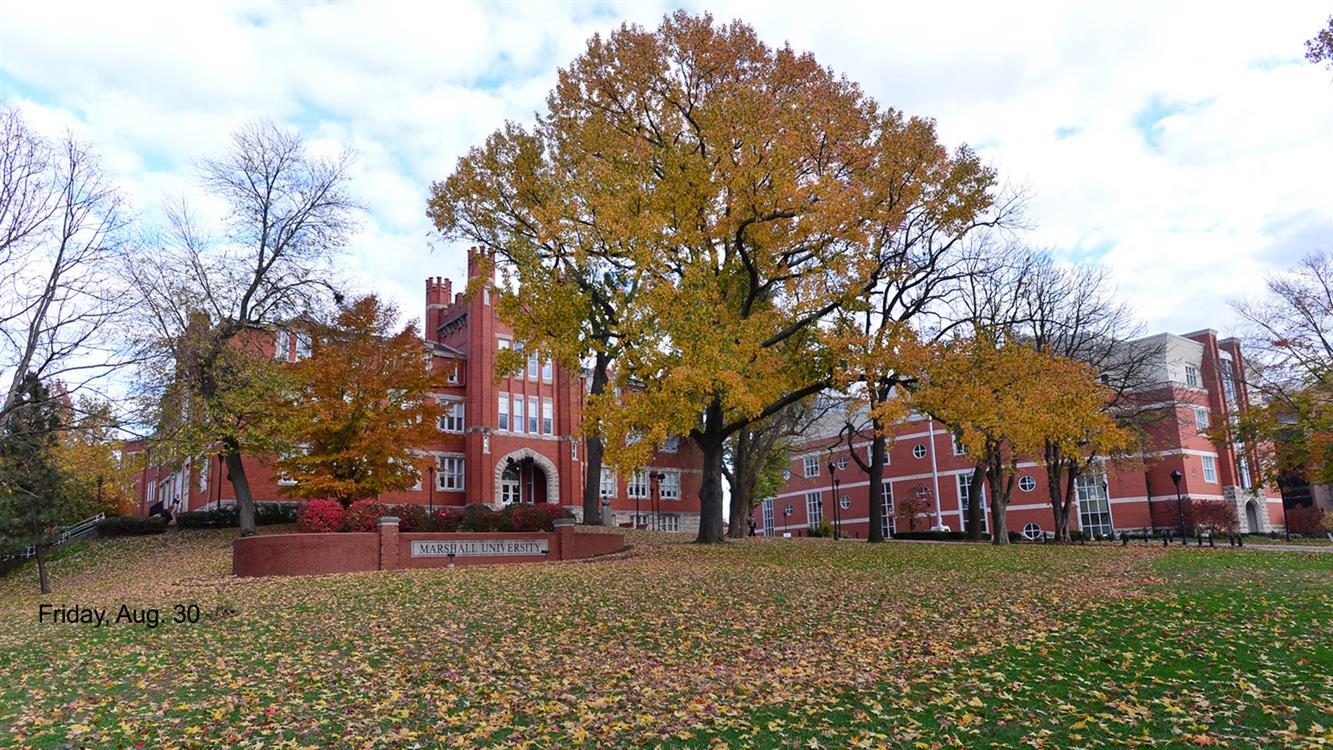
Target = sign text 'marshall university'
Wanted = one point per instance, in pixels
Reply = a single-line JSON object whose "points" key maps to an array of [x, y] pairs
{"points": [[480, 548]]}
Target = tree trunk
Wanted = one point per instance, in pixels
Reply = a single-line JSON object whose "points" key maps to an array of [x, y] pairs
{"points": [[876, 477], [710, 441], [974, 505], [999, 526], [42, 580], [1055, 485], [741, 471], [593, 450], [245, 503]]}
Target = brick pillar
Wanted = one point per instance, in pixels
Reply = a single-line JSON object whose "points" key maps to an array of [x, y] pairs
{"points": [[564, 529], [388, 528]]}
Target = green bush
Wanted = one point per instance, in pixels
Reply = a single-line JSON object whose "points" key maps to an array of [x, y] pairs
{"points": [[131, 526], [229, 516], [936, 536], [822, 529]]}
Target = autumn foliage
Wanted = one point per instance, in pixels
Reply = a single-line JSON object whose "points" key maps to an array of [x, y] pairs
{"points": [[321, 516], [363, 404]]}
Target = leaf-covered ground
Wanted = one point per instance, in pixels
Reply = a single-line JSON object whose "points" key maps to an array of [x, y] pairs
{"points": [[764, 643]]}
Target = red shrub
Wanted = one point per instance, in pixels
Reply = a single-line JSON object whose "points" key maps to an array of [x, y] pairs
{"points": [[363, 515], [1308, 520], [448, 519], [321, 516], [411, 518], [1211, 517]]}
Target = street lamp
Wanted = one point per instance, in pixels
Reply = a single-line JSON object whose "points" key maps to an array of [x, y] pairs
{"points": [[655, 481], [1176, 476], [786, 514], [837, 517], [430, 491]]}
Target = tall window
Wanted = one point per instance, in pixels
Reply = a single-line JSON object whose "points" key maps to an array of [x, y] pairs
{"points": [[452, 419], [768, 517], [546, 371], [608, 483], [1094, 508], [671, 445], [669, 488], [518, 413], [1209, 469], [534, 366], [958, 448], [302, 345], [509, 486], [203, 474], [548, 417], [814, 507], [1192, 376], [965, 501], [886, 525], [283, 347], [504, 411], [1200, 418], [534, 416], [637, 486], [1243, 468], [449, 475], [1229, 382], [811, 466]]}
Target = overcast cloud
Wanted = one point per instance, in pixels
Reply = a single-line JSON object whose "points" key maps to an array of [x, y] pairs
{"points": [[1184, 146]]}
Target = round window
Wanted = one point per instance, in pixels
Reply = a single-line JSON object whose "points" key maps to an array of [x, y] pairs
{"points": [[919, 450], [1032, 531], [845, 502], [787, 510], [842, 463], [1026, 483], [786, 473]]}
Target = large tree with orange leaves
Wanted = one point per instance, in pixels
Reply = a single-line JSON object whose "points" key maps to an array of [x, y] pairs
{"points": [[1006, 403], [363, 404], [742, 193]]}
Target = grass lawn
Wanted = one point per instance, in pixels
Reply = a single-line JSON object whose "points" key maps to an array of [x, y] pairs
{"points": [[763, 643]]}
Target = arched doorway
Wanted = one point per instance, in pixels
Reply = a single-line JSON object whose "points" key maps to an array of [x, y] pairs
{"points": [[1252, 518], [525, 476]]}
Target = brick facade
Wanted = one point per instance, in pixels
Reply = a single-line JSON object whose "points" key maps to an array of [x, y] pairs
{"points": [[501, 460], [922, 462]]}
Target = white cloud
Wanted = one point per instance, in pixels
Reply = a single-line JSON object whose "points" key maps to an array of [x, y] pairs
{"points": [[1055, 95]]}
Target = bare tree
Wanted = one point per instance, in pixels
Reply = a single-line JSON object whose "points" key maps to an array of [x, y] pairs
{"points": [[206, 300], [62, 227]]}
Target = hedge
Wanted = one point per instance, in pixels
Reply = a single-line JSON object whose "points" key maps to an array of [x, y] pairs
{"points": [[230, 516], [131, 526], [364, 515]]}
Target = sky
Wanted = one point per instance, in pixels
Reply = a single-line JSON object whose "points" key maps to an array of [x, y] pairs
{"points": [[1184, 146]]}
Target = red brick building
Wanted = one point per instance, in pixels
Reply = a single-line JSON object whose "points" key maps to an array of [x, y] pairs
{"points": [[1198, 384], [515, 441]]}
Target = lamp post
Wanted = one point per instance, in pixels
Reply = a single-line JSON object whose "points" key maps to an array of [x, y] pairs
{"points": [[657, 478], [1176, 476], [786, 515], [430, 491], [837, 517]]}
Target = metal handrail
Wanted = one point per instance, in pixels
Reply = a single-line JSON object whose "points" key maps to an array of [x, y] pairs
{"points": [[66, 534]]}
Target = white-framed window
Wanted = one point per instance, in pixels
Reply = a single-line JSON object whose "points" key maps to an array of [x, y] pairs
{"points": [[637, 486], [1027, 483], [768, 517], [510, 487], [607, 486], [811, 466], [845, 502], [814, 507], [449, 473], [452, 418], [282, 348], [1192, 376], [302, 345], [1032, 531], [547, 370], [669, 488], [534, 416], [841, 463], [502, 343], [518, 413], [919, 450], [1200, 418], [548, 417], [453, 375], [965, 501], [1209, 469], [887, 525], [203, 474], [285, 480], [671, 445], [534, 366], [504, 411], [669, 522], [1094, 506], [574, 449], [1229, 382], [1243, 468], [958, 448]]}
